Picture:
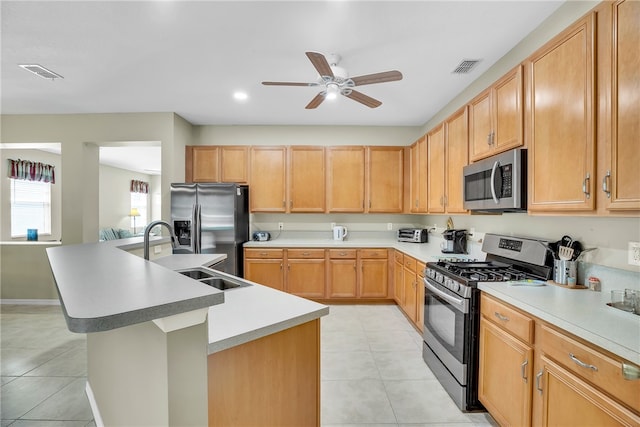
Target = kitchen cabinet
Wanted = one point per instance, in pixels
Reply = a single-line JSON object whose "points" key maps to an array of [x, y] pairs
{"points": [[496, 117], [342, 276], [420, 266], [436, 168], [385, 180], [373, 272], [418, 175], [345, 179], [306, 179], [267, 192], [305, 275], [410, 285], [561, 121], [265, 266], [456, 158], [202, 164], [506, 360], [620, 178], [224, 163], [398, 278]]}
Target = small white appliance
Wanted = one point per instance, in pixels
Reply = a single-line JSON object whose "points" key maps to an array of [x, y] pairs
{"points": [[339, 232]]}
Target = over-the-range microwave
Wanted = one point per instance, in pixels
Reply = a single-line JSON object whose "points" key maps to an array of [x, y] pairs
{"points": [[497, 184]]}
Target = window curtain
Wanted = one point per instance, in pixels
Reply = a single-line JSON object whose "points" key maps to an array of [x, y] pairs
{"points": [[139, 186], [31, 171]]}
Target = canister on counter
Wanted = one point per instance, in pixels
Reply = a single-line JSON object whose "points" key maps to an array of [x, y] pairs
{"points": [[594, 283]]}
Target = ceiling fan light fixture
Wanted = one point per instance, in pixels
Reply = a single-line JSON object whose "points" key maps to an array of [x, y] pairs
{"points": [[332, 91]]}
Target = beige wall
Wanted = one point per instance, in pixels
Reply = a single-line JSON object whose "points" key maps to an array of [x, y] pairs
{"points": [[115, 197]]}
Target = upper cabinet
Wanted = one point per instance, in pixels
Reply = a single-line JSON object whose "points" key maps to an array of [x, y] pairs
{"points": [[561, 121], [436, 168], [456, 158], [267, 191], [306, 179], [418, 176], [496, 117], [345, 178], [620, 188], [385, 180], [224, 163]]}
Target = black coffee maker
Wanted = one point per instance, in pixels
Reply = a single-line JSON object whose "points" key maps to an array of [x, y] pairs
{"points": [[455, 242]]}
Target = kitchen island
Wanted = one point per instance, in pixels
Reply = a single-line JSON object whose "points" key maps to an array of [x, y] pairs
{"points": [[159, 343]]}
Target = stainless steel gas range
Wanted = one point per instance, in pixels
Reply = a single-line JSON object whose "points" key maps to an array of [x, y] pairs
{"points": [[452, 308]]}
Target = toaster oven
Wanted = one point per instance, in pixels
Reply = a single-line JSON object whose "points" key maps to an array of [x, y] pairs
{"points": [[413, 235]]}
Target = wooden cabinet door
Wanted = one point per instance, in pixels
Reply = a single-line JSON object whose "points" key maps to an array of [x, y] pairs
{"points": [[373, 278], [504, 379], [268, 272], [420, 297], [507, 111], [436, 165], [234, 164], [480, 126], [342, 278], [414, 177], [268, 179], [569, 401], [345, 179], [306, 179], [205, 164], [561, 152], [306, 277], [456, 158], [622, 182], [385, 179], [398, 281], [410, 294]]}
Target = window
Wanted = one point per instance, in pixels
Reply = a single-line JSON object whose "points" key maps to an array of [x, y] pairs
{"points": [[30, 207], [139, 201]]}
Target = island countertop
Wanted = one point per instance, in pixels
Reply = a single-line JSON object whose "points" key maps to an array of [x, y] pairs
{"points": [[102, 287]]}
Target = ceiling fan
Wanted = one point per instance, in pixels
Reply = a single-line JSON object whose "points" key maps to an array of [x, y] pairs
{"points": [[334, 80]]}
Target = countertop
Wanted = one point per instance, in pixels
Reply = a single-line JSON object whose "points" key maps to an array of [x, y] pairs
{"points": [[102, 287], [581, 312]]}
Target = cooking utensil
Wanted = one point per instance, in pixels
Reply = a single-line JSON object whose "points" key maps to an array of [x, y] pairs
{"points": [[565, 253], [577, 249], [584, 251], [550, 249], [566, 241]]}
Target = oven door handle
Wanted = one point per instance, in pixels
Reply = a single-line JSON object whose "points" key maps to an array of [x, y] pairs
{"points": [[458, 303]]}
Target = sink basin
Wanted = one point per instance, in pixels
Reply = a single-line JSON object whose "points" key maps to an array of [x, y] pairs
{"points": [[209, 277]]}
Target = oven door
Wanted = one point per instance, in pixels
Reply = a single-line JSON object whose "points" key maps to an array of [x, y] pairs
{"points": [[446, 327]]}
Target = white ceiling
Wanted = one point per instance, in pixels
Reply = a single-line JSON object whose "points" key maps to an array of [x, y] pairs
{"points": [[189, 57]]}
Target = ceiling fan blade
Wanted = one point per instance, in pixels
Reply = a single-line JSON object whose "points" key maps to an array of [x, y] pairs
{"points": [[387, 76], [320, 63], [317, 100], [288, 84], [364, 99]]}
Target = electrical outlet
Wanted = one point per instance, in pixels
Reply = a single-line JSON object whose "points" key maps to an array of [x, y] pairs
{"points": [[281, 226], [157, 249], [389, 226], [634, 253]]}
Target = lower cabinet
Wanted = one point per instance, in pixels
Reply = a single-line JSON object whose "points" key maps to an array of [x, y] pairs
{"points": [[342, 277], [265, 266], [398, 278], [532, 373], [306, 272], [373, 273]]}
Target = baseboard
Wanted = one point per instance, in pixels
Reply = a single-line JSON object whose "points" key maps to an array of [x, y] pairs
{"points": [[30, 301], [97, 419]]}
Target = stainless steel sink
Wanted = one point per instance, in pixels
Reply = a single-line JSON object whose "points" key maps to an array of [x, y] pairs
{"points": [[211, 278]]}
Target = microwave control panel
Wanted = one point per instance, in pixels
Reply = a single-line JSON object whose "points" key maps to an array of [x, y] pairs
{"points": [[507, 180]]}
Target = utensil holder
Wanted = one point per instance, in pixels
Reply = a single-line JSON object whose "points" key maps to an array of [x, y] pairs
{"points": [[563, 269]]}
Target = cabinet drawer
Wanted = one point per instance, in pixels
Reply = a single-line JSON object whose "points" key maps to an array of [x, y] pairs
{"points": [[342, 253], [410, 263], [588, 363], [373, 253], [305, 253], [399, 257], [263, 253], [507, 318]]}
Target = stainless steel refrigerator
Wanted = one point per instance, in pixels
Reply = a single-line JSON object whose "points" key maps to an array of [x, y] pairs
{"points": [[211, 218]]}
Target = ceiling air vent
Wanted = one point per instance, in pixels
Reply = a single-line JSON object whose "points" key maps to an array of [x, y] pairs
{"points": [[40, 71], [465, 66]]}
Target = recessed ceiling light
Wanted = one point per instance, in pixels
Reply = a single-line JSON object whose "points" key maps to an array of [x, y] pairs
{"points": [[40, 71], [240, 96]]}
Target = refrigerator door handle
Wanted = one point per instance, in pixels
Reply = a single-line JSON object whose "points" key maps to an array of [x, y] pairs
{"points": [[194, 228], [198, 229]]}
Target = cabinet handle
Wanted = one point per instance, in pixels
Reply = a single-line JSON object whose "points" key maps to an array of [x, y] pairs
{"points": [[523, 369], [581, 363], [291, 204], [489, 138], [416, 203], [305, 254], [630, 372], [446, 201], [263, 254], [605, 184], [369, 204], [280, 266], [441, 201], [501, 317], [289, 267], [284, 203], [343, 254], [585, 185], [538, 378]]}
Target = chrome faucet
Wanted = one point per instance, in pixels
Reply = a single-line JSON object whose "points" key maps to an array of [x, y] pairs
{"points": [[147, 230]]}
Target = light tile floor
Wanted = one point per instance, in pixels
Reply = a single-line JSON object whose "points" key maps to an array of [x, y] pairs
{"points": [[372, 372]]}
